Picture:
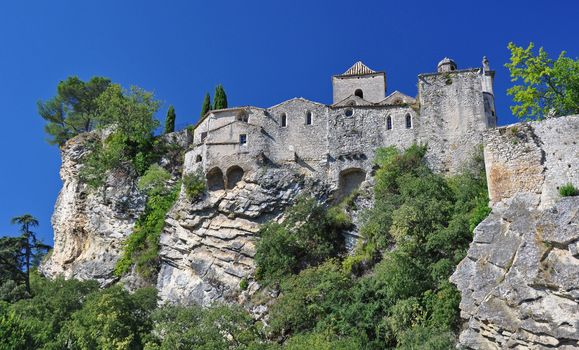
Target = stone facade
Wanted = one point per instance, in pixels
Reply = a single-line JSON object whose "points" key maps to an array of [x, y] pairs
{"points": [[451, 112]]}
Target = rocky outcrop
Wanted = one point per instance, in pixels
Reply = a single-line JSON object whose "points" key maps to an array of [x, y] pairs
{"points": [[520, 279], [207, 246], [90, 225]]}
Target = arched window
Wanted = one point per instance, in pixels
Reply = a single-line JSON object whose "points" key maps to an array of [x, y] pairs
{"points": [[349, 112], [283, 120], [408, 121], [389, 123], [243, 117], [359, 93], [308, 118]]}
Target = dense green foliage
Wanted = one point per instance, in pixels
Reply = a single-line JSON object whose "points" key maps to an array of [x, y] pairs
{"points": [[129, 115], [170, 120], [417, 232], [306, 238], [219, 98], [142, 247], [568, 190], [206, 107], [548, 87], [194, 184], [74, 109]]}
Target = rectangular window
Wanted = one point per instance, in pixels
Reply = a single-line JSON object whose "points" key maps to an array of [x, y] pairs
{"points": [[203, 136], [242, 139]]}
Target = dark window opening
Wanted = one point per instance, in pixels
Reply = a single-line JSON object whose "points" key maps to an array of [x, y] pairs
{"points": [[242, 139], [198, 158], [349, 112], [283, 120], [359, 93], [203, 135], [408, 121], [308, 118], [215, 180], [234, 175], [389, 123]]}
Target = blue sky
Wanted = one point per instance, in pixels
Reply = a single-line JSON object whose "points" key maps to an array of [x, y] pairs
{"points": [[263, 52]]}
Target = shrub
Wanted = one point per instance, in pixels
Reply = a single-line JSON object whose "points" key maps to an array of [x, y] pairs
{"points": [[307, 237], [142, 246], [568, 190], [243, 284], [194, 185], [154, 181]]}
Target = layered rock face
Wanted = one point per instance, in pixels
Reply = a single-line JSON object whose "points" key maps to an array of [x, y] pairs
{"points": [[90, 226], [207, 245], [520, 279]]}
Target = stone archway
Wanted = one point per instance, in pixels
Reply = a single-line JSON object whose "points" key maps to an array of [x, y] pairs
{"points": [[350, 180], [215, 179], [234, 175]]}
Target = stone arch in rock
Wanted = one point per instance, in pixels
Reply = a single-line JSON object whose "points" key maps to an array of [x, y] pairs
{"points": [[350, 180], [215, 179], [234, 175]]}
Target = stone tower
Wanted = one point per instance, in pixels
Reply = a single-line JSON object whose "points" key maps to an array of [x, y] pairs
{"points": [[488, 77], [360, 81]]}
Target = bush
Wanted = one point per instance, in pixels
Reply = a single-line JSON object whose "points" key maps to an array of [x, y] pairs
{"points": [[142, 247], [568, 190], [307, 237], [194, 185]]}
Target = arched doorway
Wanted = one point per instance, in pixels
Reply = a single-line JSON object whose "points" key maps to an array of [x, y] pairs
{"points": [[234, 175], [215, 179], [350, 180]]}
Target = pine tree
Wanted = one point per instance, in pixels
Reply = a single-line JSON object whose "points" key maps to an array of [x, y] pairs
{"points": [[206, 105], [220, 101], [170, 120]]}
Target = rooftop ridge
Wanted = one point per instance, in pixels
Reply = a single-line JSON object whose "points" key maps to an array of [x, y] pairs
{"points": [[358, 68]]}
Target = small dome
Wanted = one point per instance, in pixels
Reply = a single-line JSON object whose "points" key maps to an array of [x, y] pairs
{"points": [[446, 65]]}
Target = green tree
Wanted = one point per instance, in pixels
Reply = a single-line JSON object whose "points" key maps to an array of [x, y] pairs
{"points": [[220, 98], [12, 278], [170, 120], [32, 248], [206, 105], [131, 117], [111, 319], [73, 110], [219, 327], [547, 87], [307, 237]]}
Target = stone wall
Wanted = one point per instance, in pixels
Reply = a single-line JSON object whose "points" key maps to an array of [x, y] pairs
{"points": [[536, 157], [520, 280]]}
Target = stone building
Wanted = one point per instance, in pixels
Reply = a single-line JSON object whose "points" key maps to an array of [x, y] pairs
{"points": [[337, 142]]}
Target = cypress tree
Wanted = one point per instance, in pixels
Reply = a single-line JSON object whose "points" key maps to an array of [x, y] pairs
{"points": [[220, 98], [206, 105], [170, 120]]}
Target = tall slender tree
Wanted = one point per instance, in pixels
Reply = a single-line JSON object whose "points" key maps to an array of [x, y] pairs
{"points": [[170, 120], [206, 105], [30, 246], [220, 98]]}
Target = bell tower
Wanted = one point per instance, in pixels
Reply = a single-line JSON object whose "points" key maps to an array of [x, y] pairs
{"points": [[359, 81]]}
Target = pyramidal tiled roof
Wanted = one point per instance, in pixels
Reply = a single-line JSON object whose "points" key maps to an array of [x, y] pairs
{"points": [[358, 68]]}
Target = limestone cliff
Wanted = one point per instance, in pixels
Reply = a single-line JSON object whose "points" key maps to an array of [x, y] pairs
{"points": [[520, 279], [90, 226]]}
